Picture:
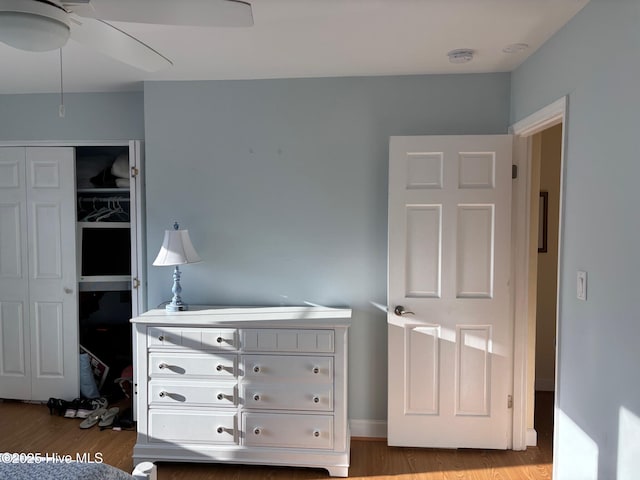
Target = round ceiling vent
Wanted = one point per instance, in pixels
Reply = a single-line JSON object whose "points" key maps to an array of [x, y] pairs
{"points": [[515, 48]]}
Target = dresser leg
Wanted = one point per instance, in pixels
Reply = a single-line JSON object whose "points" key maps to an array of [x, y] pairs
{"points": [[145, 471], [338, 471]]}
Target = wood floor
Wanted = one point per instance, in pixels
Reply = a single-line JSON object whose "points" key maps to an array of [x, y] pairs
{"points": [[30, 428]]}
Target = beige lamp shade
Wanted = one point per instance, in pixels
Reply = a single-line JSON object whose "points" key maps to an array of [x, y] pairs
{"points": [[176, 249]]}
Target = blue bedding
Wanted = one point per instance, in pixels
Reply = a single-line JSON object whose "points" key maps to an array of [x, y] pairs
{"points": [[61, 471]]}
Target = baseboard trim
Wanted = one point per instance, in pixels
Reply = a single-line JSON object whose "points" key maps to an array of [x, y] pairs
{"points": [[368, 428], [378, 429]]}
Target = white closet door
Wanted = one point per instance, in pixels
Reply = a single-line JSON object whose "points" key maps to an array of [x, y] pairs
{"points": [[53, 304], [15, 354]]}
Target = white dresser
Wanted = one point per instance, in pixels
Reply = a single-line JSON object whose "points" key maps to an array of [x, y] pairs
{"points": [[253, 385]]}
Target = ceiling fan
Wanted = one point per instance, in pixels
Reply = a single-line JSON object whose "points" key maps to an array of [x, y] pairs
{"points": [[43, 25]]}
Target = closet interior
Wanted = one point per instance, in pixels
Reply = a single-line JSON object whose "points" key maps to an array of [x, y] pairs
{"points": [[104, 260]]}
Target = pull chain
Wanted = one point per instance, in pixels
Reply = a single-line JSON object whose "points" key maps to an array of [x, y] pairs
{"points": [[61, 107]]}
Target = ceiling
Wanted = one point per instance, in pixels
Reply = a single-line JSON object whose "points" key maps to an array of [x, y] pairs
{"points": [[308, 38]]}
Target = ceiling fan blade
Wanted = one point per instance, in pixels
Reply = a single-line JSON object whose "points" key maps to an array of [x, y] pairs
{"points": [[117, 44], [199, 13]]}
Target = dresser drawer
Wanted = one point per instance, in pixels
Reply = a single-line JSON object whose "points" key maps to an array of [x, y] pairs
{"points": [[285, 340], [187, 365], [297, 431], [284, 368], [175, 392], [288, 397], [193, 338], [193, 426]]}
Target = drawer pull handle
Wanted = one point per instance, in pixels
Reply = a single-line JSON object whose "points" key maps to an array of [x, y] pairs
{"points": [[316, 370], [316, 433], [256, 431], [220, 430], [256, 369], [220, 396], [163, 394], [219, 339], [162, 366], [161, 338], [316, 399], [256, 397], [219, 368]]}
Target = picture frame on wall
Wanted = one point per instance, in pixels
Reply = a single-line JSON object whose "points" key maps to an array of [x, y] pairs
{"points": [[542, 222]]}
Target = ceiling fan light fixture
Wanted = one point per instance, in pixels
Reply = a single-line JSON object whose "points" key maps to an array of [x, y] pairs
{"points": [[33, 25]]}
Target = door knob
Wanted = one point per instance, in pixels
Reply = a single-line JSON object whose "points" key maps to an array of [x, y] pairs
{"points": [[400, 311]]}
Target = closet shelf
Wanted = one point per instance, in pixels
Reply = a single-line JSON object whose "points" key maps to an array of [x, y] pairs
{"points": [[105, 286], [103, 190], [104, 199]]}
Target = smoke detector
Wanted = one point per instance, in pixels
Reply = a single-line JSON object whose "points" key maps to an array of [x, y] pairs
{"points": [[460, 55]]}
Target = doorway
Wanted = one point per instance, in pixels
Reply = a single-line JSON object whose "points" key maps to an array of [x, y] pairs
{"points": [[546, 168], [528, 221]]}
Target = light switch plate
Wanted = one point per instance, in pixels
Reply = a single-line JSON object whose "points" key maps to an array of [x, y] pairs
{"points": [[582, 285]]}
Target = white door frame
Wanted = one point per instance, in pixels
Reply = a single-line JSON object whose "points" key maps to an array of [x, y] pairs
{"points": [[544, 118]]}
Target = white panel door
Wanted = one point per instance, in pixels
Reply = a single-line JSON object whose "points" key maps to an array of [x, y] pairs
{"points": [[15, 354], [449, 323], [53, 310]]}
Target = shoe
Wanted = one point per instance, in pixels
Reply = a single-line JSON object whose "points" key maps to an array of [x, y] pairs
{"points": [[99, 402], [58, 406], [93, 418], [70, 412], [71, 408], [55, 406], [87, 406], [124, 421], [107, 419], [82, 413]]}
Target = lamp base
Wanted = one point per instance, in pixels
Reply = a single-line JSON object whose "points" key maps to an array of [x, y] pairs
{"points": [[176, 304], [177, 307]]}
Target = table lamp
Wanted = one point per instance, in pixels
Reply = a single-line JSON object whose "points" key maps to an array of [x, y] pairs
{"points": [[176, 249]]}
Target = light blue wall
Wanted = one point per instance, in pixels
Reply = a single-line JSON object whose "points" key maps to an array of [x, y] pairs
{"points": [[283, 187], [595, 59], [88, 116]]}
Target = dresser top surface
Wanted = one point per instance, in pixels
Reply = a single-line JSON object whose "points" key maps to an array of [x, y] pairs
{"points": [[216, 314]]}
